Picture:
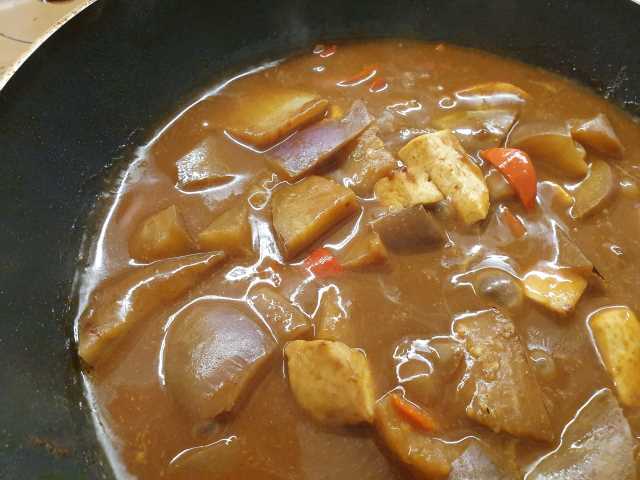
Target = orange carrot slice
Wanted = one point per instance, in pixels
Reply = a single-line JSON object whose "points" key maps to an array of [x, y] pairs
{"points": [[415, 415]]}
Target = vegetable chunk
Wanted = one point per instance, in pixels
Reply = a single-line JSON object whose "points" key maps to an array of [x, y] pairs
{"points": [[261, 118], [425, 455], [331, 381], [476, 464], [118, 304], [229, 232], [332, 318], [598, 135], [552, 144], [363, 251], [202, 168], [303, 212], [557, 291], [410, 230], [162, 235], [617, 334], [283, 319], [213, 351], [596, 445], [569, 255], [310, 148], [492, 94], [592, 193], [505, 395], [478, 129], [367, 160], [443, 158], [406, 188]]}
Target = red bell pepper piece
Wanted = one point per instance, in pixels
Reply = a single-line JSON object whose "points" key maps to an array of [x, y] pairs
{"points": [[367, 73], [322, 264], [517, 168], [379, 84]]}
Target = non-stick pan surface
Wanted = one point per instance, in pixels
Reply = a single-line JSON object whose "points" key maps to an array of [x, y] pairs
{"points": [[104, 81]]}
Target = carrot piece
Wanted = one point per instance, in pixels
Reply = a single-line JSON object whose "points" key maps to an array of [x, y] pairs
{"points": [[378, 84], [515, 225], [322, 264], [328, 51], [367, 73], [517, 168], [413, 414]]}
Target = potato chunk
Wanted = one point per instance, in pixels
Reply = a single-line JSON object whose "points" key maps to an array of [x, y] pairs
{"points": [[443, 158], [202, 168], [598, 135], [557, 291], [552, 144], [331, 381], [213, 351], [366, 161], [332, 318], [596, 445], [410, 230], [229, 232], [162, 235], [505, 395], [304, 211], [263, 117], [284, 320], [617, 334], [406, 188], [120, 303], [310, 148], [424, 455], [478, 129], [593, 192], [365, 250], [492, 94]]}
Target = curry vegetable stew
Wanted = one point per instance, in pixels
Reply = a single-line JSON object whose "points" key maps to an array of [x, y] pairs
{"points": [[373, 260]]}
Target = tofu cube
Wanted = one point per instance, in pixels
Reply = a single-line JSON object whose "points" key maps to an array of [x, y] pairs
{"points": [[617, 334], [557, 291], [306, 210], [443, 158], [406, 188], [331, 381]]}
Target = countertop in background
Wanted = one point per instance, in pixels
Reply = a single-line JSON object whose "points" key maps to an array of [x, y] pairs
{"points": [[24, 24]]}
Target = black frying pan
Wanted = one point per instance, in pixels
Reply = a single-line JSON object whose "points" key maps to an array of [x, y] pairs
{"points": [[101, 84]]}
